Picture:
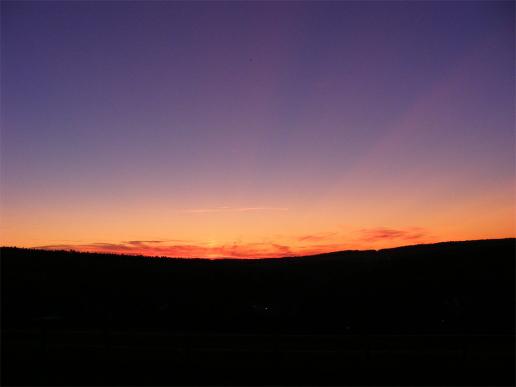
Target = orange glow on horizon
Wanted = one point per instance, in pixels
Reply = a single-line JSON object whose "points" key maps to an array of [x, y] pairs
{"points": [[261, 231]]}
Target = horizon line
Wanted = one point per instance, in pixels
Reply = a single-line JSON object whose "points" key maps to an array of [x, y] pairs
{"points": [[253, 258]]}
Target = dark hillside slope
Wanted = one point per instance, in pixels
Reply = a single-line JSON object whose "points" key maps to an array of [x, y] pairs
{"points": [[439, 314], [457, 287]]}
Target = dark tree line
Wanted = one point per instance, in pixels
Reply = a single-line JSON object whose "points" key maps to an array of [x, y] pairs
{"points": [[462, 287]]}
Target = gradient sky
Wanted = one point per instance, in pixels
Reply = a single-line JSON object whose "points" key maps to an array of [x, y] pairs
{"points": [[246, 129]]}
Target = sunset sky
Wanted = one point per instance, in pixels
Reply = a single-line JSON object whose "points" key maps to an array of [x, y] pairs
{"points": [[255, 129]]}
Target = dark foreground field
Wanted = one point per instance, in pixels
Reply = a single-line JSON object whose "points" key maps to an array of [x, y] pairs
{"points": [[438, 314]]}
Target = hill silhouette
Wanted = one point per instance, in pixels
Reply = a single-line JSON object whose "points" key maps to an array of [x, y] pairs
{"points": [[338, 303]]}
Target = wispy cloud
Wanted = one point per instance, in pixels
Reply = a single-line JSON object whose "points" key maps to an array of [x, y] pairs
{"points": [[384, 233], [144, 243], [309, 244], [201, 250], [158, 248], [232, 209], [317, 237]]}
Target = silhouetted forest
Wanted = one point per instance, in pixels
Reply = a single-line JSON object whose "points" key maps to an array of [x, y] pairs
{"points": [[329, 308]]}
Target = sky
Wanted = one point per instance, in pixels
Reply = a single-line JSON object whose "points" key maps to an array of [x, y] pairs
{"points": [[255, 129]]}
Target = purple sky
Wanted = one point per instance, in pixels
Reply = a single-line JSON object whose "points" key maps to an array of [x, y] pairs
{"points": [[116, 108]]}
